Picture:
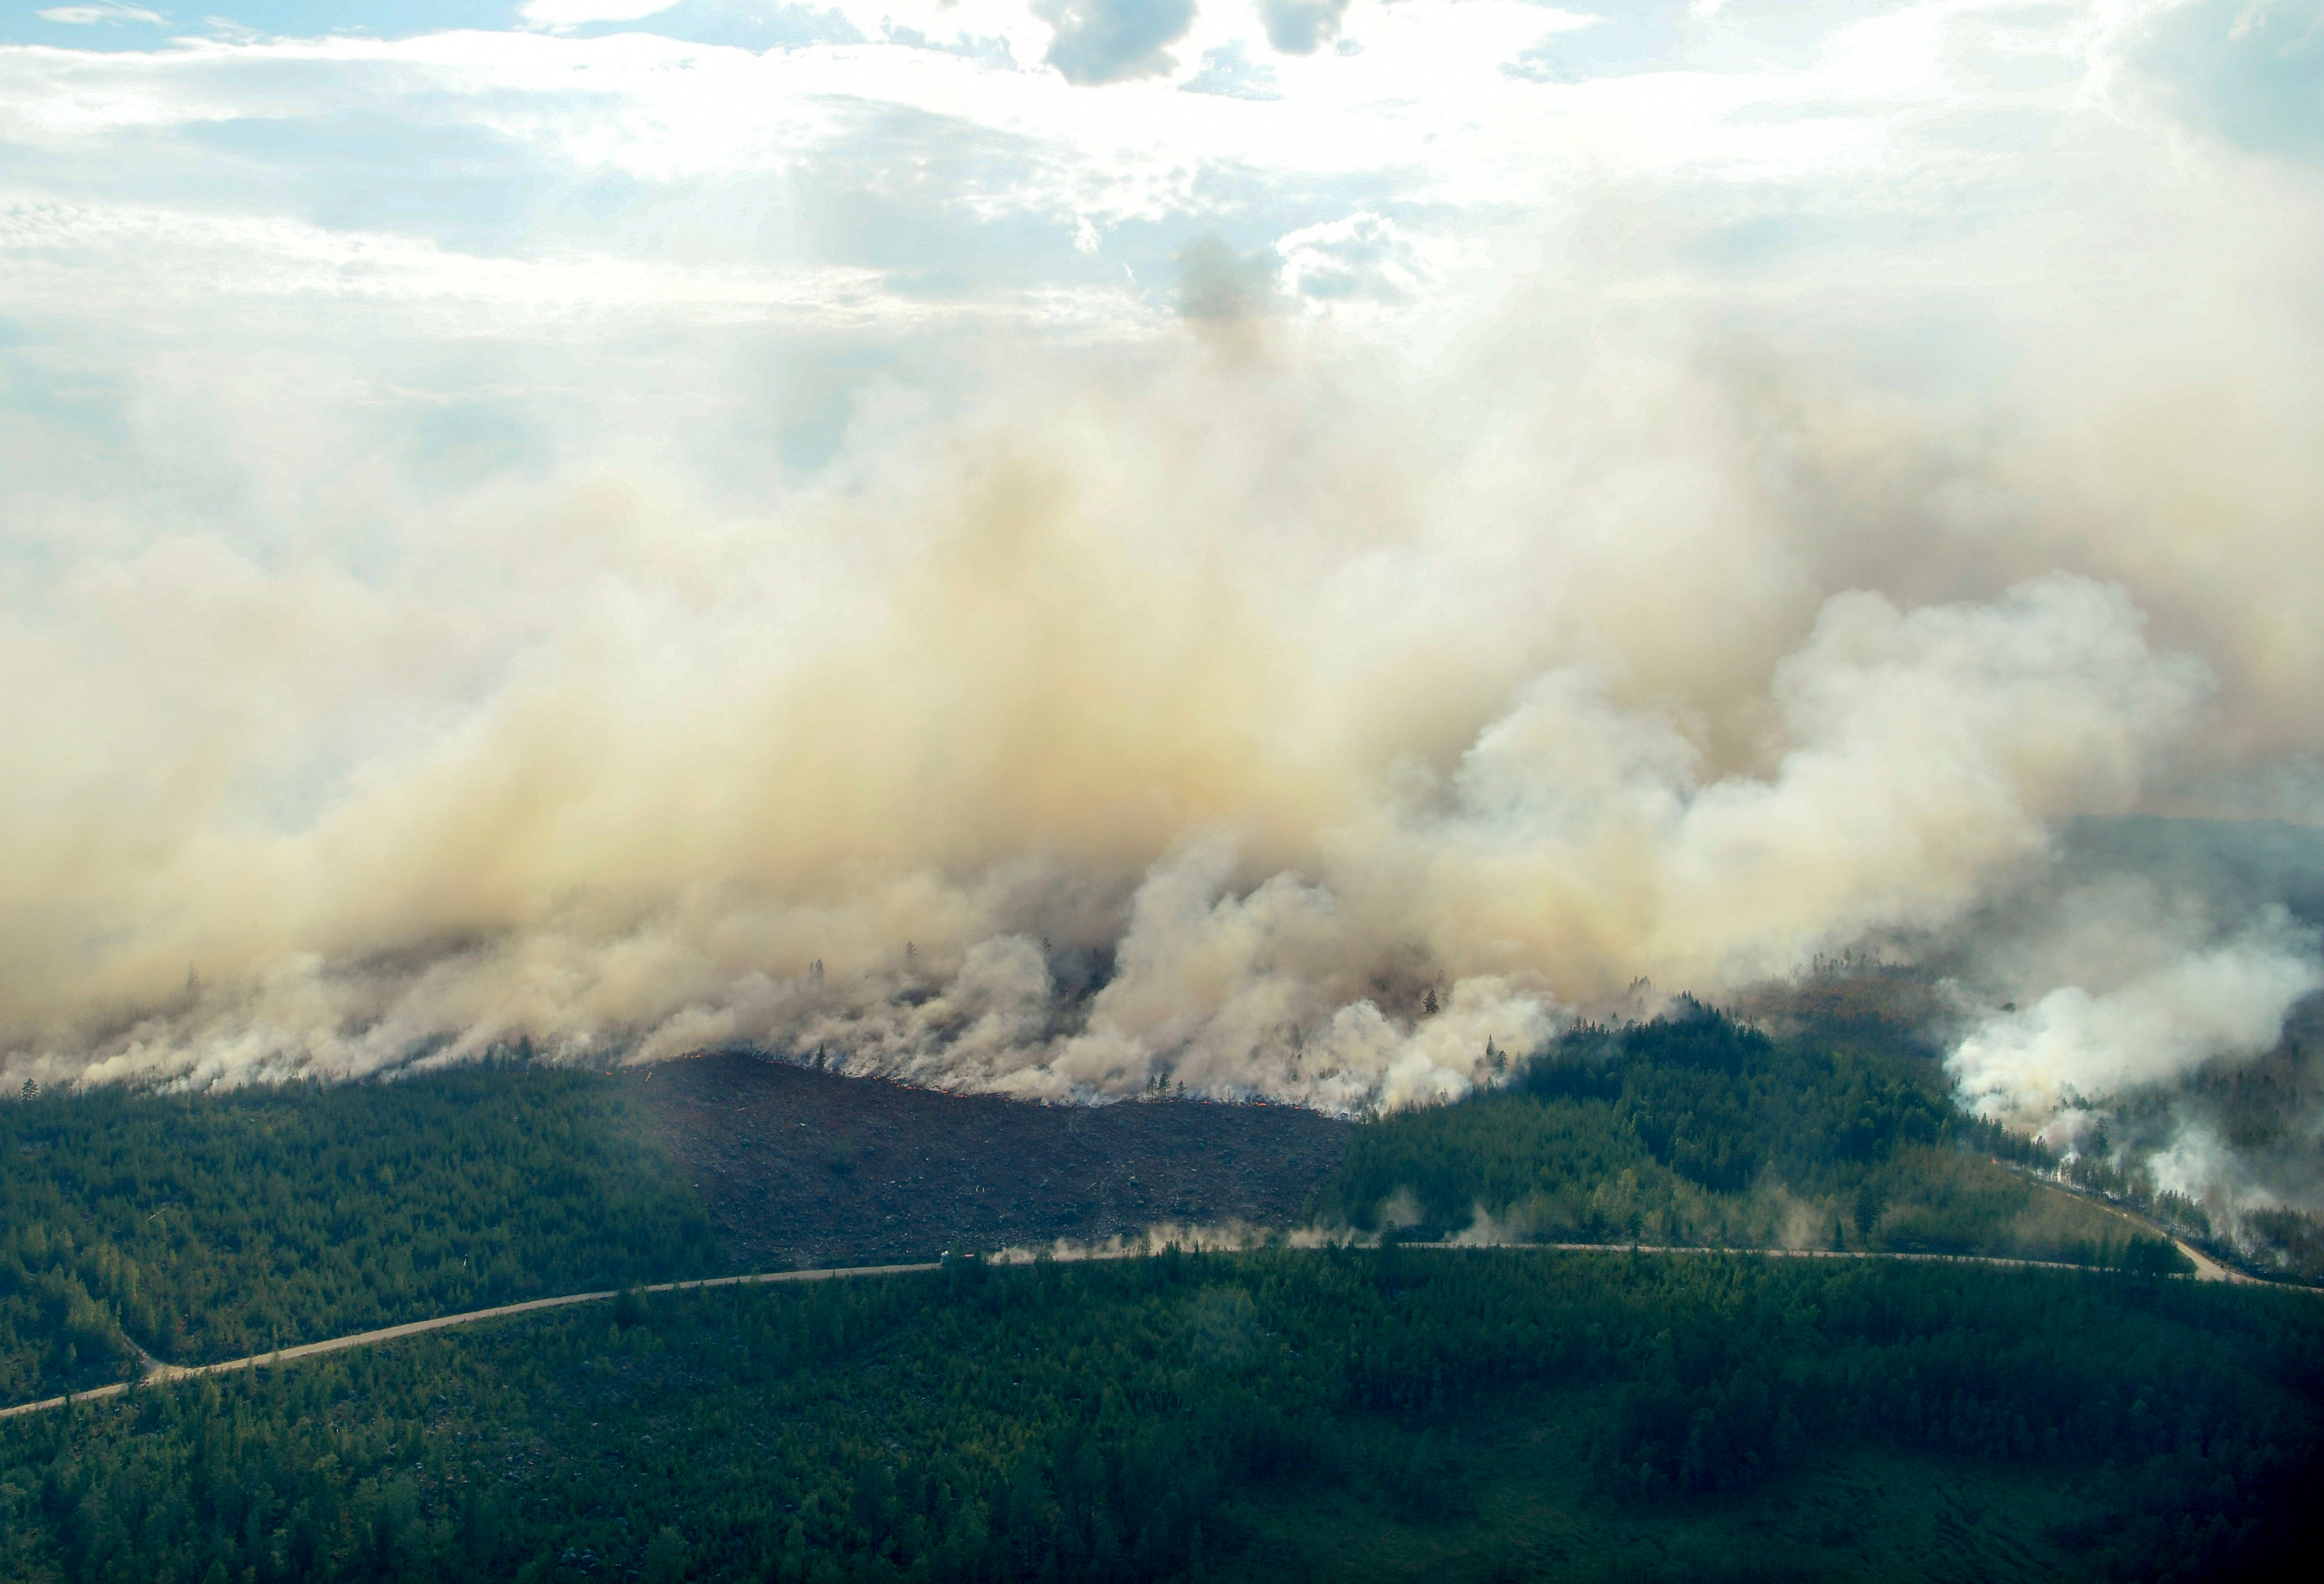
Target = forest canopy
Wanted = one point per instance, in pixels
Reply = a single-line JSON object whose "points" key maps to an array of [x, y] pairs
{"points": [[1293, 1414], [1696, 1129], [211, 1227]]}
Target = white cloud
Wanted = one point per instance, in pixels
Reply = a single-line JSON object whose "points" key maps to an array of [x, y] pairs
{"points": [[1299, 27], [567, 13], [1230, 73], [1364, 257], [97, 15], [56, 254], [1100, 42]]}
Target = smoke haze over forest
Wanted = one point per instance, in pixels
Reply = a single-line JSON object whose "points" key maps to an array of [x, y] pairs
{"points": [[1053, 550]]}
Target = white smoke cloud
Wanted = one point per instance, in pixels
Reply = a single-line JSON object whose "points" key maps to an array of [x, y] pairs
{"points": [[786, 523], [1278, 916], [2041, 1067]]}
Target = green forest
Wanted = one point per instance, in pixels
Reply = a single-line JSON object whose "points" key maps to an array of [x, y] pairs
{"points": [[1695, 1129], [208, 1227], [213, 1227], [1343, 1413], [1296, 1414]]}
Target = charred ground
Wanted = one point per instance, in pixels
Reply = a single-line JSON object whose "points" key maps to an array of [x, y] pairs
{"points": [[802, 1167]]}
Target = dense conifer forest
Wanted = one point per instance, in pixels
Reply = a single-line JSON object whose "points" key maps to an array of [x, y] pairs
{"points": [[200, 1228], [1384, 1412], [215, 1226], [1279, 1415]]}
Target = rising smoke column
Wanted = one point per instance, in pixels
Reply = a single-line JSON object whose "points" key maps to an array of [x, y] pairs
{"points": [[1052, 724], [1072, 774], [1381, 642]]}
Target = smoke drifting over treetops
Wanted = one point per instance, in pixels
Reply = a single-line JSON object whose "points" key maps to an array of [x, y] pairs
{"points": [[1201, 735], [1265, 704]]}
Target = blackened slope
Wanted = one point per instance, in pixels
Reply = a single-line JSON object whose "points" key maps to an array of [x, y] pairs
{"points": [[798, 1166]]}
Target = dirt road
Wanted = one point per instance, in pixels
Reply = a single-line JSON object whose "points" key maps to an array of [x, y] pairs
{"points": [[157, 1371]]}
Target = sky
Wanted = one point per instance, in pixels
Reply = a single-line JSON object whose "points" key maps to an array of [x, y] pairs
{"points": [[882, 179], [1147, 537]]}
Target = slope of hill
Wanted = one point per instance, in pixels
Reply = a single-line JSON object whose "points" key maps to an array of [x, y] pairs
{"points": [[2262, 1111], [200, 1228], [797, 1166], [1696, 1129]]}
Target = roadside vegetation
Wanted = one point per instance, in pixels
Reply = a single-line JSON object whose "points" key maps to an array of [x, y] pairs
{"points": [[1349, 1413], [204, 1227]]}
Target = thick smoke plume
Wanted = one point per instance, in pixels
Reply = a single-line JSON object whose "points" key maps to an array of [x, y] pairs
{"points": [[1206, 739], [2140, 998], [1265, 702], [2228, 1002]]}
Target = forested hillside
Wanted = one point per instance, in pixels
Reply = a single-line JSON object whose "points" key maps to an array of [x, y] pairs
{"points": [[1696, 1129], [209, 1227], [1350, 1413], [798, 1165], [1896, 1015], [215, 1226], [1391, 1413]]}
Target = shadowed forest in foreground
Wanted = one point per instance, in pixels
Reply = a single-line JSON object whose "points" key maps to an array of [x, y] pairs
{"points": [[1326, 1414]]}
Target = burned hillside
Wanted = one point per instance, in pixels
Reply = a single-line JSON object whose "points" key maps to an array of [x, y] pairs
{"points": [[799, 1167]]}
